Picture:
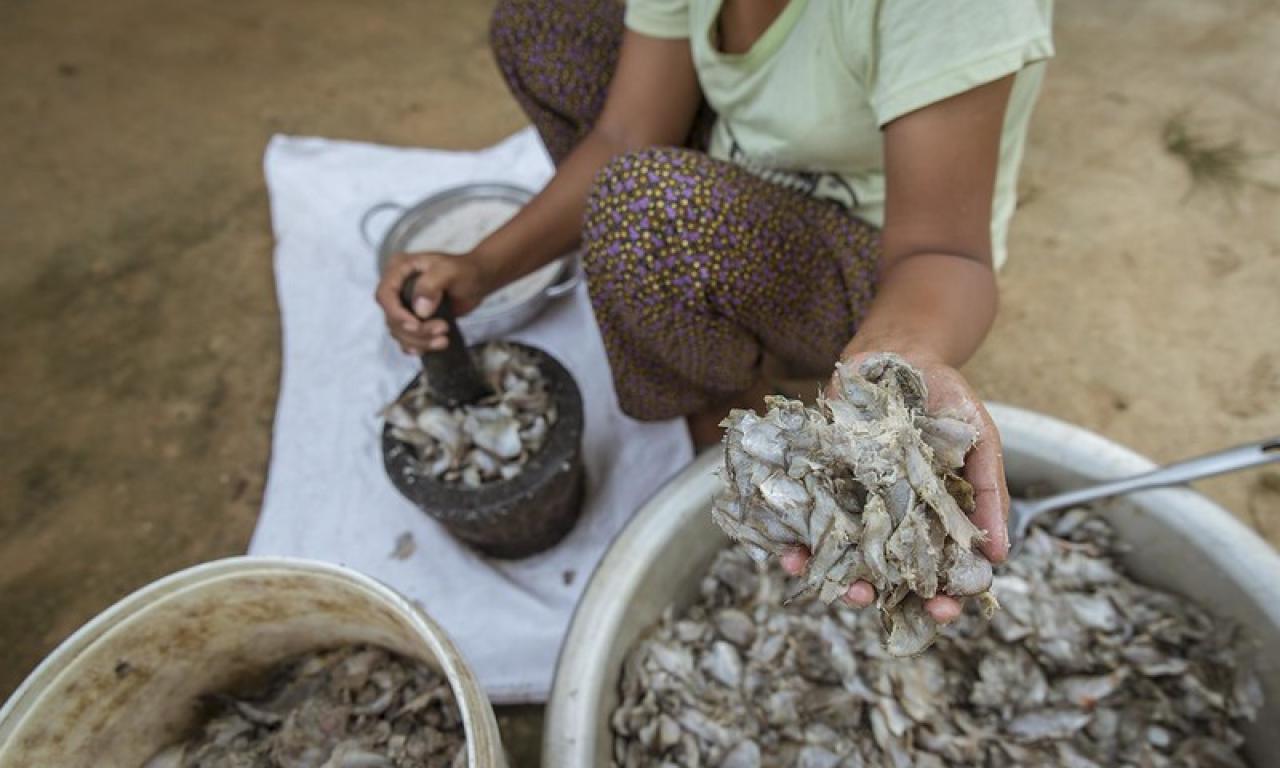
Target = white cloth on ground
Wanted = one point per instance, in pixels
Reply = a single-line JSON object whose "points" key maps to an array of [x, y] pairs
{"points": [[328, 496]]}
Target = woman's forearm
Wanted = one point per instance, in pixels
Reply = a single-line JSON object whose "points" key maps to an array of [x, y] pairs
{"points": [[653, 98], [932, 306], [937, 294], [551, 224]]}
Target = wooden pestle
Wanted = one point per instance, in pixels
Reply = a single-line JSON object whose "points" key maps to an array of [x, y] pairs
{"points": [[450, 374]]}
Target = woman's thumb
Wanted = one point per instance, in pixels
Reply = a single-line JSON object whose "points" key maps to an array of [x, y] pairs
{"points": [[423, 307], [428, 288]]}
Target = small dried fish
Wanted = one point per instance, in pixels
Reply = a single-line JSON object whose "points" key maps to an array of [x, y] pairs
{"points": [[744, 678], [486, 442], [869, 483], [405, 546], [354, 707]]}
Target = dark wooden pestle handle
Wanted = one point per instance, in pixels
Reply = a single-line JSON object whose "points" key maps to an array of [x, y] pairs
{"points": [[450, 373]]}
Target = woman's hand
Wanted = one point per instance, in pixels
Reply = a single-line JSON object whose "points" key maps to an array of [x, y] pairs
{"points": [[950, 394], [936, 297], [461, 277], [653, 98]]}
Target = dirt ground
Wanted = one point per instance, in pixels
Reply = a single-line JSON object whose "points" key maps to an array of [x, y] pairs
{"points": [[140, 341]]}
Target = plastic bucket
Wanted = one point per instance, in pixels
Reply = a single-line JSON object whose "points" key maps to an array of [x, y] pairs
{"points": [[1183, 543], [128, 683]]}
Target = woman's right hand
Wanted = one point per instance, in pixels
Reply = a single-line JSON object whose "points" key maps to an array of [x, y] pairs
{"points": [[461, 277]]}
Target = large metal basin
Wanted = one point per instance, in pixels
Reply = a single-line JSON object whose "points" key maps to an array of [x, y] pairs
{"points": [[1182, 542]]}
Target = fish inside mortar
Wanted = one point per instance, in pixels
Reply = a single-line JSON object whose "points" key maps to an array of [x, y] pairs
{"points": [[870, 484], [1083, 667], [485, 442], [353, 707]]}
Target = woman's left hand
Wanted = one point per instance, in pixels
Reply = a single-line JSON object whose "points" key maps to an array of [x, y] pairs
{"points": [[949, 393]]}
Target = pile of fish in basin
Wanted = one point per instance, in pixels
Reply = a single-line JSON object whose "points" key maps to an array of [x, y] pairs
{"points": [[254, 661], [1139, 633]]}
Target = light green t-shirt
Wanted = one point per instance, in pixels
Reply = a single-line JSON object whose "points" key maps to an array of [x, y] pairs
{"points": [[805, 105]]}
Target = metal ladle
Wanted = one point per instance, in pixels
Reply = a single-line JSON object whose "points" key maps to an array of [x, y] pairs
{"points": [[1023, 511]]}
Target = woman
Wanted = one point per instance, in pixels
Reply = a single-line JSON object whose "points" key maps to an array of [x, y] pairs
{"points": [[852, 196]]}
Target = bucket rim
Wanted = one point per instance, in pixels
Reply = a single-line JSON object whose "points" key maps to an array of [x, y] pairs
{"points": [[479, 723]]}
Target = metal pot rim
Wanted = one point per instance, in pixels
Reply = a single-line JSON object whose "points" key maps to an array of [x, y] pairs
{"points": [[412, 216], [492, 319]]}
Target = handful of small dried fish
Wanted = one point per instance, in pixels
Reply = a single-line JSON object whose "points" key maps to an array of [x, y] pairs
{"points": [[475, 445], [1084, 668], [355, 707], [869, 483]]}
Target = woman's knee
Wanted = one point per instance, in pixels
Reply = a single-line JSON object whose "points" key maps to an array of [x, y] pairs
{"points": [[648, 191], [627, 221], [644, 231], [642, 172]]}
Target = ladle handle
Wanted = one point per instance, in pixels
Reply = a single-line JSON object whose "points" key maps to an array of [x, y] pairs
{"points": [[1230, 460], [450, 373]]}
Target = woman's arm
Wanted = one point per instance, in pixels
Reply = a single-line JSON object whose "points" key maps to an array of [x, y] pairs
{"points": [[936, 297], [653, 98], [937, 293]]}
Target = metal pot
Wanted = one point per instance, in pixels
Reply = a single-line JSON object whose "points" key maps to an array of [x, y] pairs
{"points": [[508, 308], [1188, 545]]}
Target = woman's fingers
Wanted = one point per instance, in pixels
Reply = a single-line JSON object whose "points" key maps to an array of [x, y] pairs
{"points": [[860, 594], [794, 560], [984, 469], [422, 331], [388, 294], [416, 331], [434, 275], [943, 609], [429, 335], [432, 282]]}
